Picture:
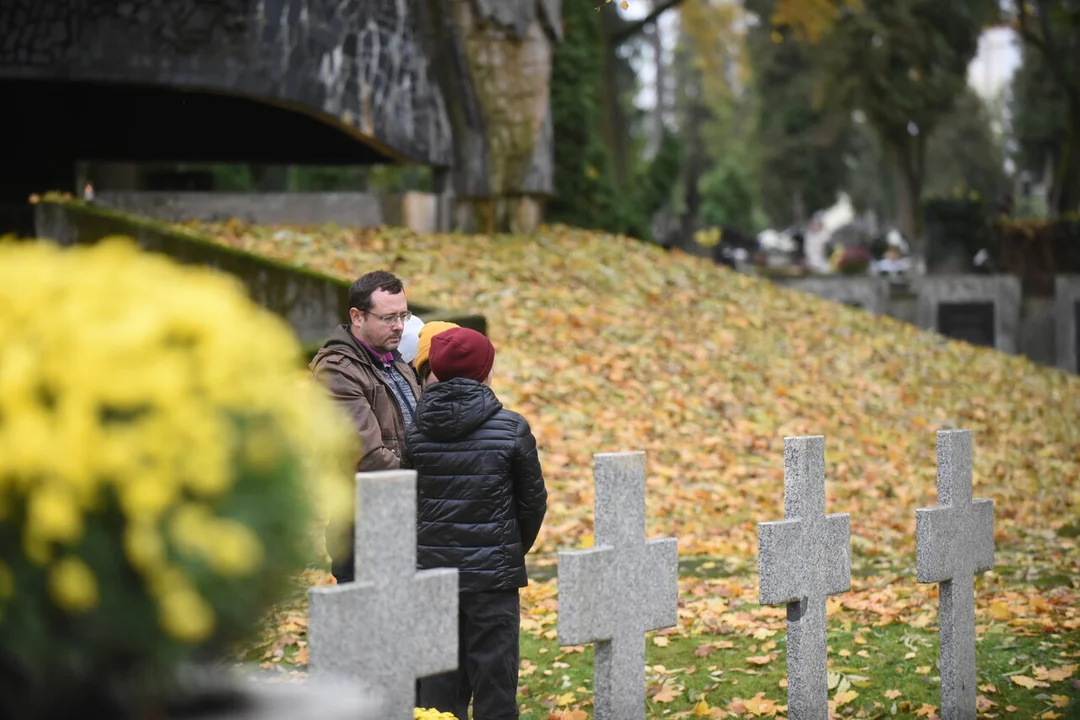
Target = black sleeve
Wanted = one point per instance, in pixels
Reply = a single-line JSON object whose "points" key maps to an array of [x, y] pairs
{"points": [[529, 490]]}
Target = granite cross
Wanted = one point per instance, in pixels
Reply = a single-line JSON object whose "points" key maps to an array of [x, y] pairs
{"points": [[801, 561], [623, 586], [953, 542], [394, 624]]}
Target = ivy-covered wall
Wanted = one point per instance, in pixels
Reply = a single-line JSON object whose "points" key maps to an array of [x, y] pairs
{"points": [[311, 302]]}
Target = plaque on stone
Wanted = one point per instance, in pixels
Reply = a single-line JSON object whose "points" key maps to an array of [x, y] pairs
{"points": [[971, 322]]}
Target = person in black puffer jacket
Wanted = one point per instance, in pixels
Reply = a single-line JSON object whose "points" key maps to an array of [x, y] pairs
{"points": [[481, 501]]}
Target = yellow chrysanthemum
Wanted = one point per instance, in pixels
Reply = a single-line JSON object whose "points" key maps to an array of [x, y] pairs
{"points": [[72, 585], [186, 616], [54, 515], [233, 549]]}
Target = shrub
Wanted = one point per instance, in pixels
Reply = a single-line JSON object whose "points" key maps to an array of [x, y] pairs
{"points": [[1038, 250], [157, 446]]}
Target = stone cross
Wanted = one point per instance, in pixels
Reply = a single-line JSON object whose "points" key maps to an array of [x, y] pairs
{"points": [[615, 591], [394, 624], [954, 541], [801, 561]]}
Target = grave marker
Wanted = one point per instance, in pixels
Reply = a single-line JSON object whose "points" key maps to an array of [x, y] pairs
{"points": [[981, 309], [971, 322], [394, 624], [613, 593], [953, 542], [801, 561], [1067, 322]]}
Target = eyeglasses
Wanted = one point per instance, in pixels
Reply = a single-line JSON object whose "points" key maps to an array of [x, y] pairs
{"points": [[391, 319]]}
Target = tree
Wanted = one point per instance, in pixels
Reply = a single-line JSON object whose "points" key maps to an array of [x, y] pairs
{"points": [[1051, 28], [1039, 118], [802, 145], [903, 63], [964, 154], [585, 189]]}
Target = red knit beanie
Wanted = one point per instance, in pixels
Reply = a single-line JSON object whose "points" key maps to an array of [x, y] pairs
{"points": [[461, 353]]}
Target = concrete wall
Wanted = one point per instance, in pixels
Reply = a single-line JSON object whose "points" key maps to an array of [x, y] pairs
{"points": [[1036, 327], [311, 302], [422, 212]]}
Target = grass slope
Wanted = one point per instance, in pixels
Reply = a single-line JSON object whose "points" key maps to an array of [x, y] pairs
{"points": [[607, 344]]}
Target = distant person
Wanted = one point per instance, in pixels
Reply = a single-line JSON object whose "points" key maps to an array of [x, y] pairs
{"points": [[365, 374], [410, 339], [423, 349], [481, 502]]}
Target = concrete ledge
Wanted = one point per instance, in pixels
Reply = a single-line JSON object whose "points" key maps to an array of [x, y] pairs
{"points": [[1067, 314], [312, 303]]}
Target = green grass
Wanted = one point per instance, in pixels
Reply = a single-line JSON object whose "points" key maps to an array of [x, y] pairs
{"points": [[897, 658]]}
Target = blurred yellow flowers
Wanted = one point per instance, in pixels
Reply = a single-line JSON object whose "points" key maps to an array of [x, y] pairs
{"points": [[134, 392]]}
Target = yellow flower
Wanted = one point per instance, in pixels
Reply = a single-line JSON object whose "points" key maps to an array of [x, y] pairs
{"points": [[261, 450], [431, 714], [147, 497], [53, 515], [191, 526], [185, 615], [72, 585], [143, 545], [232, 549], [7, 582]]}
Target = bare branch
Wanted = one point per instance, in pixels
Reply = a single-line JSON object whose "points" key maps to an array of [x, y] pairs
{"points": [[631, 29]]}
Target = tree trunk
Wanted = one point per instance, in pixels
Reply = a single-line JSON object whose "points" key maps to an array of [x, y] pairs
{"points": [[656, 128], [1065, 196], [613, 122], [908, 163]]}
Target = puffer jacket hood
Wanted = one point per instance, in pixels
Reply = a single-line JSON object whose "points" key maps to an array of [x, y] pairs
{"points": [[453, 409]]}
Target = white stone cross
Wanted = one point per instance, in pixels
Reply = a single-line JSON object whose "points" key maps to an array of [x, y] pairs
{"points": [[394, 624], [801, 561], [954, 541], [614, 592]]}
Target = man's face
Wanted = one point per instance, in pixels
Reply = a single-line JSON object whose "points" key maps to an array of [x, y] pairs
{"points": [[381, 336]]}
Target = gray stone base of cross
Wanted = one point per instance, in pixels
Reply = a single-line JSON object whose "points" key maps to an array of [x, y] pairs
{"points": [[394, 624], [801, 561], [614, 592], [953, 542]]}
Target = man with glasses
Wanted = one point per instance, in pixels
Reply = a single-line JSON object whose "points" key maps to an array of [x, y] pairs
{"points": [[361, 367]]}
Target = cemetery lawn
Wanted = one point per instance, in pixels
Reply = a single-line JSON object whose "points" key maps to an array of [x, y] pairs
{"points": [[608, 344]]}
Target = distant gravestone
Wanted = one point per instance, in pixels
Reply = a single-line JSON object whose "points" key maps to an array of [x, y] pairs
{"points": [[954, 541], [394, 624], [981, 309], [614, 592], [971, 322], [802, 560], [1067, 322]]}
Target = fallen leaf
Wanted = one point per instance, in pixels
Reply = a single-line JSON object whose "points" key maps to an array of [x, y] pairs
{"points": [[1056, 675], [761, 659], [667, 693], [922, 670], [1000, 611], [1025, 682], [843, 698], [892, 694], [660, 641]]}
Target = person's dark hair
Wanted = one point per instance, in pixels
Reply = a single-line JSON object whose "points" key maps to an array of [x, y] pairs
{"points": [[360, 292]]}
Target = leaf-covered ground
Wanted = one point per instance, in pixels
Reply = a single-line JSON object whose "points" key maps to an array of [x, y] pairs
{"points": [[608, 344]]}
